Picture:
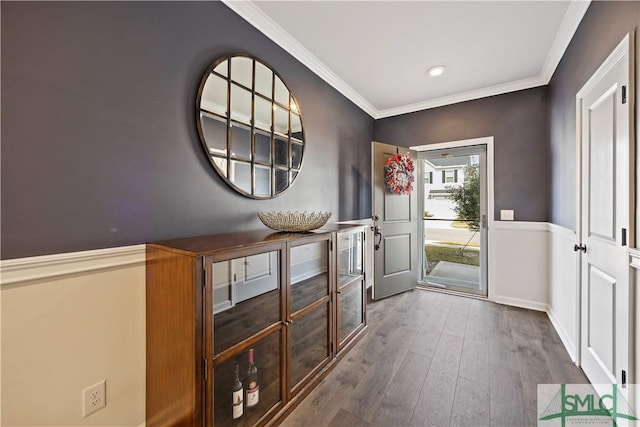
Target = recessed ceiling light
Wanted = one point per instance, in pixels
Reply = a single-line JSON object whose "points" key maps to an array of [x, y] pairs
{"points": [[437, 70]]}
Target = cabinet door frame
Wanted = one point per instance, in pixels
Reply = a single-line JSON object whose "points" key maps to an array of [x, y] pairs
{"points": [[343, 343], [279, 327], [294, 390]]}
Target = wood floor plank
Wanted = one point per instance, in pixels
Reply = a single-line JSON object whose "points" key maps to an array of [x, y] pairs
{"points": [[402, 393], [470, 406], [474, 361], [347, 419], [366, 398], [436, 398], [436, 359], [563, 370], [456, 323], [506, 401], [320, 406], [427, 338]]}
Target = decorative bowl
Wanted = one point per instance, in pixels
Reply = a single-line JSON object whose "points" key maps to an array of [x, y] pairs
{"points": [[294, 221]]}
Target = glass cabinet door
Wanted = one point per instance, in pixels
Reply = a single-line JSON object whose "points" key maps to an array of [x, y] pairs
{"points": [[309, 310], [244, 394], [247, 327], [351, 285], [246, 298]]}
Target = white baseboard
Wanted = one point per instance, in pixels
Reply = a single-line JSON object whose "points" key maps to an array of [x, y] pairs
{"points": [[522, 303], [564, 336]]}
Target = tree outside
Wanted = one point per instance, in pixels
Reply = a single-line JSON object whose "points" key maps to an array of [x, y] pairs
{"points": [[466, 198]]}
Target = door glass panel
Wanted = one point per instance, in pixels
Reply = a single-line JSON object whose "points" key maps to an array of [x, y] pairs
{"points": [[266, 354], [309, 274], [350, 310], [349, 257], [452, 214], [242, 288], [309, 342]]}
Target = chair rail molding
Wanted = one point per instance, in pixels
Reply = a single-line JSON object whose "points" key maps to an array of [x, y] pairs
{"points": [[20, 270]]}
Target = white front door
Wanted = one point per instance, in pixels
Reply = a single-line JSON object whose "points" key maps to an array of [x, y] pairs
{"points": [[603, 117]]}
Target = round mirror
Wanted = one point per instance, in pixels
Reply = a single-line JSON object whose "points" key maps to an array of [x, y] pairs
{"points": [[250, 126]]}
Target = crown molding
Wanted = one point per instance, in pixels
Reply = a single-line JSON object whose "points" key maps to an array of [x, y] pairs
{"points": [[462, 97], [251, 13], [267, 26], [572, 18]]}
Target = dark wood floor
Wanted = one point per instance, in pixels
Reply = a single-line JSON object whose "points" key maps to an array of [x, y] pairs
{"points": [[432, 359]]}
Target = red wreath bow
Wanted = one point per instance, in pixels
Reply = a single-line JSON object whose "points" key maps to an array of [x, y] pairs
{"points": [[398, 174]]}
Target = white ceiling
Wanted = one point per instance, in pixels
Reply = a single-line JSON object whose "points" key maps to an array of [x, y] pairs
{"points": [[376, 53]]}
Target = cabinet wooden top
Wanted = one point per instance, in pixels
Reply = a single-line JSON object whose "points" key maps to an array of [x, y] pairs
{"points": [[214, 243]]}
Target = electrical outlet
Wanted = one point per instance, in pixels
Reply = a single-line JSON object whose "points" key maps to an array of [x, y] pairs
{"points": [[94, 398]]}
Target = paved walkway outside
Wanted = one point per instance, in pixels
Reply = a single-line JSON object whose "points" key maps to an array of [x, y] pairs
{"points": [[453, 273]]}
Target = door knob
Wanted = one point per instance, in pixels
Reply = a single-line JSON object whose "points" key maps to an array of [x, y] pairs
{"points": [[582, 248], [378, 233]]}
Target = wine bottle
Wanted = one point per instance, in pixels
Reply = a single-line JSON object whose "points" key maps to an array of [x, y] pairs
{"points": [[238, 395], [253, 389]]}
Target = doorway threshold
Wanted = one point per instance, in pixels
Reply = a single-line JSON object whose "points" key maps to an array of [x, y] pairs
{"points": [[427, 287]]}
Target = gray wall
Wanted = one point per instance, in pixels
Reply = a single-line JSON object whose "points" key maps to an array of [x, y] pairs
{"points": [[602, 28], [99, 142], [518, 121]]}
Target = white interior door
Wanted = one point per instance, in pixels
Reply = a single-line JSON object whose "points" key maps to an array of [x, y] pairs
{"points": [[603, 114], [395, 220]]}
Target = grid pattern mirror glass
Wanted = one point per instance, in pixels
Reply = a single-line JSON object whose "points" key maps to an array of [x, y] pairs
{"points": [[250, 126]]}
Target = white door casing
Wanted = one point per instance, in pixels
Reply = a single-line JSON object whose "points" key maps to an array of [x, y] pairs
{"points": [[604, 181], [489, 143]]}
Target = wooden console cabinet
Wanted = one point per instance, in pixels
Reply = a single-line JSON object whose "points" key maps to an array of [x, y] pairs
{"points": [[298, 300]]}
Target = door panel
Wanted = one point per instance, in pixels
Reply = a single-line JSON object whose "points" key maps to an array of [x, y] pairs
{"points": [[395, 254], [396, 224], [602, 163], [605, 145], [601, 325], [396, 208]]}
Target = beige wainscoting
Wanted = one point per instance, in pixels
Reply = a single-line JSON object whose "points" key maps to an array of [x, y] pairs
{"points": [[69, 321]]}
